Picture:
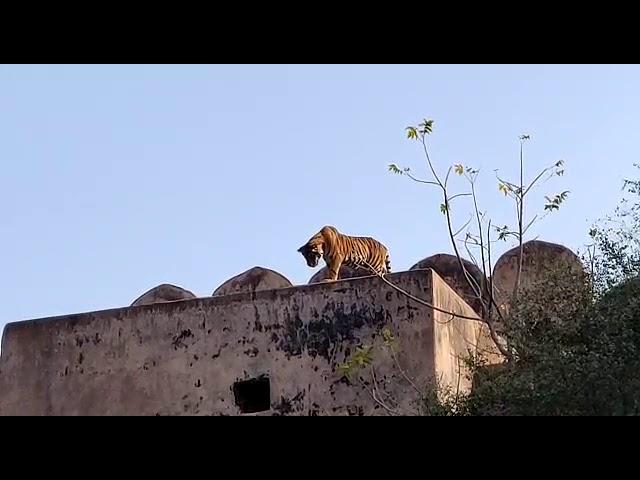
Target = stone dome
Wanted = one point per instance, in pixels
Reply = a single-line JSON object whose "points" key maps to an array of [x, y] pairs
{"points": [[538, 259], [163, 293], [448, 267], [344, 273], [254, 279]]}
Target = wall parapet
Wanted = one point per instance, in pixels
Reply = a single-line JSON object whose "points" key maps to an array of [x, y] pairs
{"points": [[266, 352]]}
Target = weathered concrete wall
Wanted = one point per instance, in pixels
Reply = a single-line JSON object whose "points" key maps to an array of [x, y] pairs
{"points": [[184, 357], [455, 338]]}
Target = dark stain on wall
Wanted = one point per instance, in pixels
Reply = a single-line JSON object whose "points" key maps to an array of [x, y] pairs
{"points": [[288, 406], [355, 411], [252, 352], [336, 323], [178, 339], [217, 354]]}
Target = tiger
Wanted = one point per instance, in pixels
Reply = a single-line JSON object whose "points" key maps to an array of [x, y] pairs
{"points": [[337, 249]]}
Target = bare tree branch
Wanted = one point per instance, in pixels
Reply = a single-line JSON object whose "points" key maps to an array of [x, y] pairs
{"points": [[484, 266], [463, 227], [372, 393], [403, 373], [425, 303], [460, 195], [433, 171], [491, 291], [520, 218], [421, 181], [446, 178]]}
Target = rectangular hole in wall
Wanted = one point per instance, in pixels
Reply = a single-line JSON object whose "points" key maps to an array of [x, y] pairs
{"points": [[253, 395]]}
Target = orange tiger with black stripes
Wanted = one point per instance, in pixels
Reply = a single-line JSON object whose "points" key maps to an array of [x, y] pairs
{"points": [[337, 249]]}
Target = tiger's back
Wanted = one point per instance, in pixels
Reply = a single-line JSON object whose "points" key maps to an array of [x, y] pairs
{"points": [[365, 253]]}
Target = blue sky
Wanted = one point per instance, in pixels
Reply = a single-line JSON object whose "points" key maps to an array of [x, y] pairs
{"points": [[116, 178]]}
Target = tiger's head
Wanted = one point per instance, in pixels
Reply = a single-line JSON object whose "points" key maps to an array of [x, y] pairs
{"points": [[318, 245], [312, 251]]}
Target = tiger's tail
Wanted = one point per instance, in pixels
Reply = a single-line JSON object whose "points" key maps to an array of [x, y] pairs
{"points": [[387, 262]]}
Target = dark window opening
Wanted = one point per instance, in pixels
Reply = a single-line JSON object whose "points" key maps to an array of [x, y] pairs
{"points": [[253, 395]]}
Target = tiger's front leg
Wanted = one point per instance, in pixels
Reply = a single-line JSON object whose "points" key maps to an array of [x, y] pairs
{"points": [[333, 267]]}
